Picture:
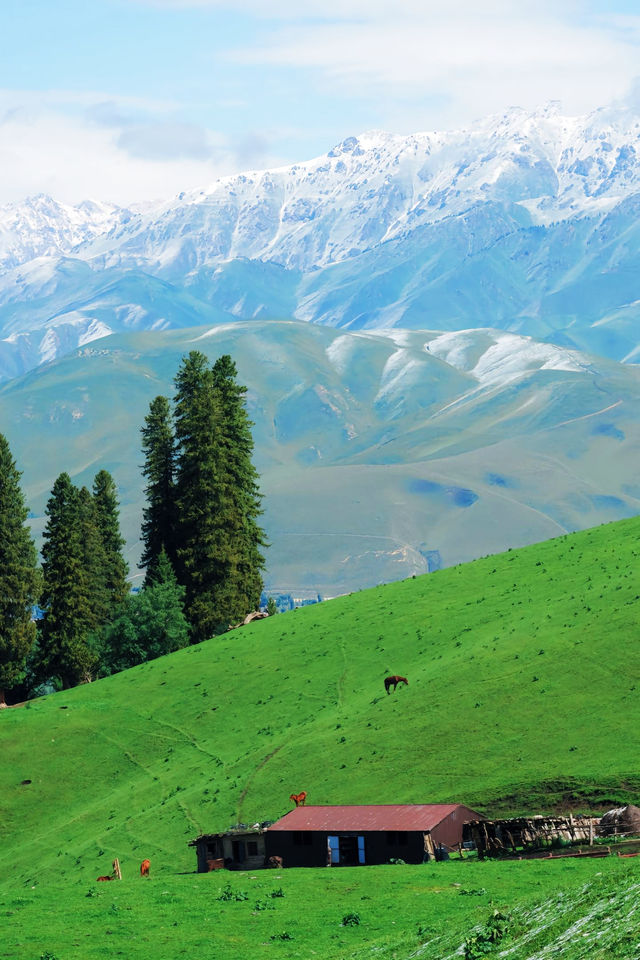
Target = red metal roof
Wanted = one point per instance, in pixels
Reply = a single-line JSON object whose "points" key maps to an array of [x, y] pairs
{"points": [[392, 816]]}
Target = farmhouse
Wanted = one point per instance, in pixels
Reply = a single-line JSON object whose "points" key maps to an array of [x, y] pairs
{"points": [[358, 835], [239, 848]]}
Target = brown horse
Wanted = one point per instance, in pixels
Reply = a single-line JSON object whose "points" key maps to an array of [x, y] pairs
{"points": [[144, 868], [299, 798], [393, 682]]}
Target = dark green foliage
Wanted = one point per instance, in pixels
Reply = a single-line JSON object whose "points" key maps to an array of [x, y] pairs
{"points": [[18, 574], [114, 567], [158, 524], [93, 556], [351, 920], [239, 490], [272, 609], [84, 577], [487, 939], [228, 893], [217, 499], [149, 624], [63, 649]]}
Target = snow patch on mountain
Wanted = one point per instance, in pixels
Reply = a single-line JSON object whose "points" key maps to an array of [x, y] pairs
{"points": [[496, 357]]}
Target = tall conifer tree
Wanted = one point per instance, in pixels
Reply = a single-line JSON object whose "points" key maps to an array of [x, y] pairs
{"points": [[18, 575], [114, 566], [202, 495], [158, 524], [201, 538], [239, 493], [68, 618], [93, 594]]}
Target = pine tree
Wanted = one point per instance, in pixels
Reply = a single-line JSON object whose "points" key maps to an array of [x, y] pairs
{"points": [[68, 616], [203, 494], [93, 594], [240, 496], [150, 624], [202, 548], [158, 525], [18, 575], [114, 567]]}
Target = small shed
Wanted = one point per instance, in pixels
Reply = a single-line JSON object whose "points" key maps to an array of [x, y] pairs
{"points": [[318, 836], [240, 848]]}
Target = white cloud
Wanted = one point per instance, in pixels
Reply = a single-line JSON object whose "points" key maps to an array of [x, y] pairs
{"points": [[471, 58], [75, 147]]}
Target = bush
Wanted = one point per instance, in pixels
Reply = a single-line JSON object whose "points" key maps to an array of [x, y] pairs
{"points": [[351, 920], [487, 939]]}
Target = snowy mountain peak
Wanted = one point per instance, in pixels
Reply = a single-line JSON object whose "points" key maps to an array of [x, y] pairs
{"points": [[526, 221]]}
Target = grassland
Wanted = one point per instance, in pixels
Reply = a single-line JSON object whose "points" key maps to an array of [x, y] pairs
{"points": [[402, 912], [523, 673]]}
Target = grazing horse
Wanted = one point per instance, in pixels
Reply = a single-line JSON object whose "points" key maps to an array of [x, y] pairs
{"points": [[275, 863], [299, 798], [394, 681], [105, 878], [144, 868]]}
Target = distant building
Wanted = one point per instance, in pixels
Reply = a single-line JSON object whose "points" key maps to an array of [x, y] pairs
{"points": [[357, 835], [240, 848], [286, 601]]}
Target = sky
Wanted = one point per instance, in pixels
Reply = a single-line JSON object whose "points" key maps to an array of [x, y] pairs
{"points": [[134, 100]]}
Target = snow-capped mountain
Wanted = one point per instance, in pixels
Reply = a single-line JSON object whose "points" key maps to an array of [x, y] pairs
{"points": [[42, 227], [526, 222]]}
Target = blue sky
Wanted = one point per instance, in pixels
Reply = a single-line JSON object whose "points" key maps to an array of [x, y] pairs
{"points": [[129, 100]]}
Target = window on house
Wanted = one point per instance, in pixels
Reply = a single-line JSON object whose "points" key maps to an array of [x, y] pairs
{"points": [[252, 848]]}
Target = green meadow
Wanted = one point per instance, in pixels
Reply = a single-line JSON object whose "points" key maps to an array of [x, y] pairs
{"points": [[522, 697]]}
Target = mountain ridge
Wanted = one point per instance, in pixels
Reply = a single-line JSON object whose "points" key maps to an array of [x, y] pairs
{"points": [[526, 222], [379, 458]]}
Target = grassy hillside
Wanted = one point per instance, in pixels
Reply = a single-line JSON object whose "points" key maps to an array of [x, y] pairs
{"points": [[522, 696], [523, 671]]}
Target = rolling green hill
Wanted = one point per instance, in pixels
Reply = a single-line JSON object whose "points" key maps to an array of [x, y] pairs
{"points": [[523, 673], [379, 458], [522, 696]]}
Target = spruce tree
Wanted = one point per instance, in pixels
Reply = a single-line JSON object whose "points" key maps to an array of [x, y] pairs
{"points": [[68, 616], [93, 594], [114, 567], [158, 525], [239, 493], [203, 494], [202, 548], [18, 575]]}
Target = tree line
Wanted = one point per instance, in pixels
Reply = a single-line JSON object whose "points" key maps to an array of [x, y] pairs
{"points": [[201, 544]]}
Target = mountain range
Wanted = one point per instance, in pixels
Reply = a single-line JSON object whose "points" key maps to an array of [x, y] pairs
{"points": [[439, 333], [526, 222], [382, 454]]}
